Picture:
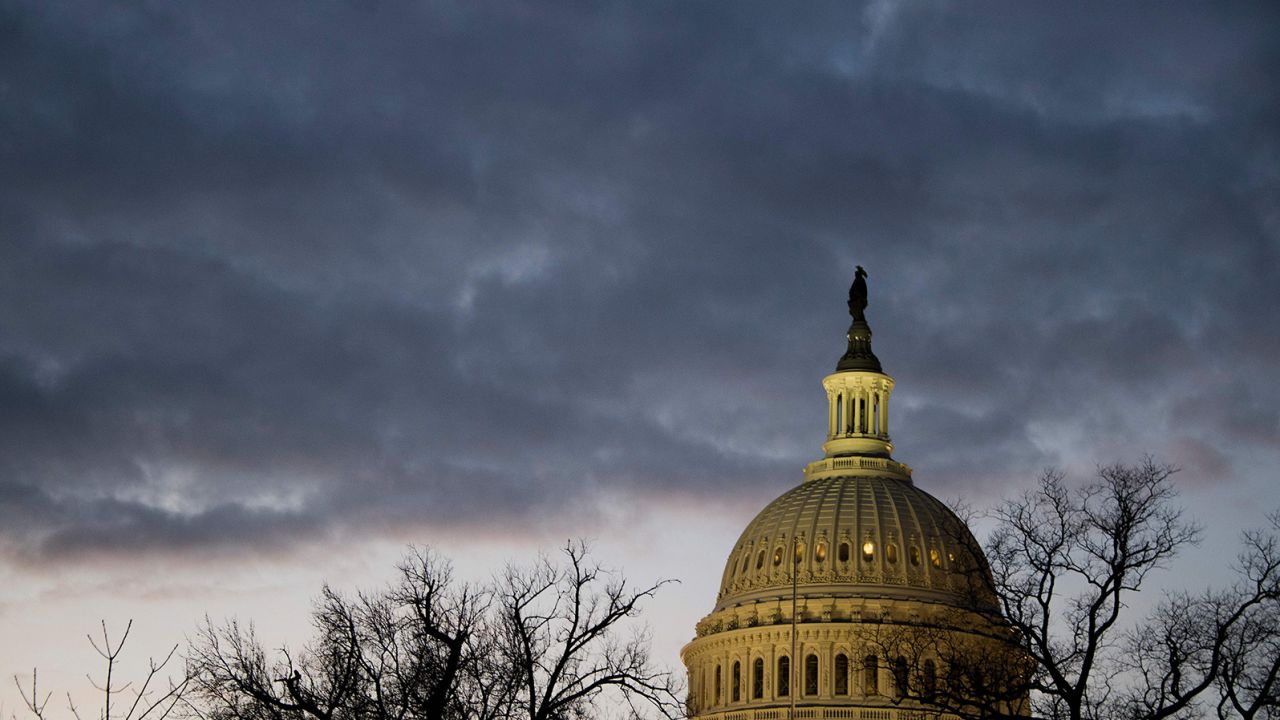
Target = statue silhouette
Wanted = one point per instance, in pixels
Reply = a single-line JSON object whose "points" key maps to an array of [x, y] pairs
{"points": [[858, 294]]}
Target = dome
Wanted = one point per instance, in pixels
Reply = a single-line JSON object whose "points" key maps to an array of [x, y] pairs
{"points": [[825, 577], [867, 537]]}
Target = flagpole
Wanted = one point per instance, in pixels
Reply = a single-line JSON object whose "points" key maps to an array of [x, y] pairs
{"points": [[795, 566]]}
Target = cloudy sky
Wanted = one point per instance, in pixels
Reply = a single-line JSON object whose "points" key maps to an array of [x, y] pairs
{"points": [[285, 286]]}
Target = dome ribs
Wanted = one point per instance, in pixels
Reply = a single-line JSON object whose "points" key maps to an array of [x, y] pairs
{"points": [[853, 509]]}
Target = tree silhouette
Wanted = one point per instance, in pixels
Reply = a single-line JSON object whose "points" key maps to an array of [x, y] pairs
{"points": [[541, 642], [146, 701]]}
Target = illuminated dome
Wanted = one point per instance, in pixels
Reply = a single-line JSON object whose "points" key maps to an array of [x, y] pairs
{"points": [[819, 585], [872, 536]]}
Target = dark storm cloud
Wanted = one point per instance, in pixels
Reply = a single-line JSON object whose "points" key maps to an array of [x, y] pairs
{"points": [[268, 272]]}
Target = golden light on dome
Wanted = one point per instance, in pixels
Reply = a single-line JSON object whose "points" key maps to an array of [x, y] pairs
{"points": [[868, 550]]}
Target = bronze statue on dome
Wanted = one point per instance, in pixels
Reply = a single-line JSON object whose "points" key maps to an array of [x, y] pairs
{"points": [[858, 294]]}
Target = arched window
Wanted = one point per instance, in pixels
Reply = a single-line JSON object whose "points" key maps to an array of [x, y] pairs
{"points": [[760, 560], [915, 555], [820, 552], [757, 679], [746, 561], [784, 676], [717, 684], [868, 550], [891, 553], [777, 557], [930, 680], [841, 674], [844, 552], [839, 414], [900, 677], [737, 681], [870, 675], [811, 675], [934, 558]]}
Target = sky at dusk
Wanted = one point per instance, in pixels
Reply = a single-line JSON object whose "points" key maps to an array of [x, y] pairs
{"points": [[287, 286]]}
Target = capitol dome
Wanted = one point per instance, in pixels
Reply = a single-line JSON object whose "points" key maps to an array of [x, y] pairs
{"points": [[831, 582], [865, 536]]}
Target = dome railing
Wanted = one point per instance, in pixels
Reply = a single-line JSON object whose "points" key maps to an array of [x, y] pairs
{"points": [[834, 465]]}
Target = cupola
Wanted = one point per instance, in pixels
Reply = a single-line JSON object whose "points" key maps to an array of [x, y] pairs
{"points": [[858, 404]]}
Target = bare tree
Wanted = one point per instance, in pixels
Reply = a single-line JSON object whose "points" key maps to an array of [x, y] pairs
{"points": [[1228, 639], [1062, 565], [1249, 680], [155, 698], [559, 626], [540, 643], [1063, 562], [399, 653]]}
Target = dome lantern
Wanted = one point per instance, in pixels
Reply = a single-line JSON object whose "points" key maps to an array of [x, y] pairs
{"points": [[858, 404]]}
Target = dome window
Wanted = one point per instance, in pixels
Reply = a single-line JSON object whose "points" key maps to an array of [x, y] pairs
{"points": [[760, 560], [820, 552], [737, 681], [890, 553], [784, 676], [915, 555], [777, 557], [842, 674], [870, 675], [930, 681], [717, 683], [843, 553], [934, 558], [900, 687], [868, 551], [811, 675], [800, 548], [757, 679]]}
